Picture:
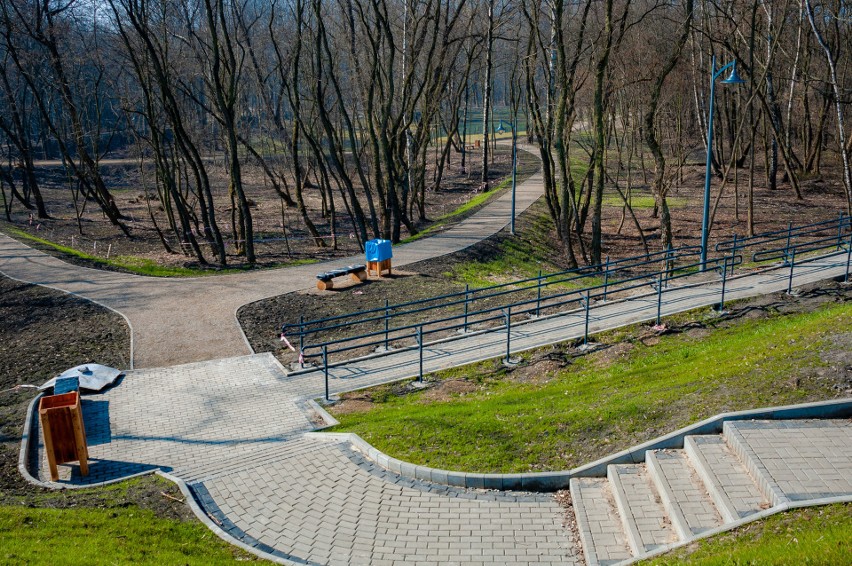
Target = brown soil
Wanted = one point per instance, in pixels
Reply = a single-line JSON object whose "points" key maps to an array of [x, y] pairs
{"points": [[42, 333], [95, 236]]}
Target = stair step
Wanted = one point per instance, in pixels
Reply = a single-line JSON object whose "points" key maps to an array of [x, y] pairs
{"points": [[646, 523], [739, 446], [728, 482], [795, 460], [601, 532], [683, 494]]}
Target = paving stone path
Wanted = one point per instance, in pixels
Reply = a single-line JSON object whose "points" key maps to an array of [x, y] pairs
{"points": [[714, 483]]}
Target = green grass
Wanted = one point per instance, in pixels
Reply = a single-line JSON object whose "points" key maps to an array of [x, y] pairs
{"points": [[814, 535], [104, 526], [100, 536], [562, 418], [519, 257]]}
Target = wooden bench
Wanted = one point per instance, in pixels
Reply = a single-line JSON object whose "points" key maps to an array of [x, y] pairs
{"points": [[325, 281]]}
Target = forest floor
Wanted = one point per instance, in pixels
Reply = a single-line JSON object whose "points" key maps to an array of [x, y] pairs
{"points": [[93, 239]]}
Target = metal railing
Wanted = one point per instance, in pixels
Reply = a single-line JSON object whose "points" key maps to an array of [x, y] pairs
{"points": [[492, 309]]}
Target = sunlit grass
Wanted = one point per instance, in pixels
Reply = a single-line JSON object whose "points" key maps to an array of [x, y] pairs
{"points": [[103, 526], [813, 535], [571, 416]]}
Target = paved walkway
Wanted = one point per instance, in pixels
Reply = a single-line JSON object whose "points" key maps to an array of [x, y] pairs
{"points": [[201, 323]]}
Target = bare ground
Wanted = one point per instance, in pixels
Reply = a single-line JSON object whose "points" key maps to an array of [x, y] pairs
{"points": [[42, 333]]}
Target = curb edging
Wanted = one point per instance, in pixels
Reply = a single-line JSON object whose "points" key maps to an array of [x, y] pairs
{"points": [[553, 481]]}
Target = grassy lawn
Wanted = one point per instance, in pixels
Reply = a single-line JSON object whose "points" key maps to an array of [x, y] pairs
{"points": [[101, 526], [559, 411], [814, 535]]}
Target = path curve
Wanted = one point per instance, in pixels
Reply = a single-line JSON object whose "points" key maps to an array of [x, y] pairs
{"points": [[177, 321]]}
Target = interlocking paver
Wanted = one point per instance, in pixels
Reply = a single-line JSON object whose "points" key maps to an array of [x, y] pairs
{"points": [[643, 508], [804, 459], [689, 498]]}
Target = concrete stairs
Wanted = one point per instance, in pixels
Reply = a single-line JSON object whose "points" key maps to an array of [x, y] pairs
{"points": [[673, 497]]}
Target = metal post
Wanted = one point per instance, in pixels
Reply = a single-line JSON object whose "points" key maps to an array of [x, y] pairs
{"points": [[734, 254], [787, 245], [724, 279], [420, 348], [466, 292], [659, 295], [586, 328], [387, 316], [538, 297], [606, 277], [514, 173], [792, 265], [848, 259], [706, 218], [508, 314], [301, 338], [325, 369], [840, 232]]}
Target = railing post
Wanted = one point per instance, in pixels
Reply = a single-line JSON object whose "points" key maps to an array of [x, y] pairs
{"points": [[420, 353], [840, 232], [787, 246], [387, 316], [538, 296], [466, 293], [508, 314], [792, 265], [724, 279], [659, 295], [588, 302], [301, 338], [606, 277], [325, 369], [848, 259], [733, 255]]}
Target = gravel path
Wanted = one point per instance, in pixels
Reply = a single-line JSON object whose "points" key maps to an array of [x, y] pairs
{"points": [[176, 321]]}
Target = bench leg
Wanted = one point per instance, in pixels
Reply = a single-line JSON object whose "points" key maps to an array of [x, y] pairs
{"points": [[325, 285], [358, 276]]}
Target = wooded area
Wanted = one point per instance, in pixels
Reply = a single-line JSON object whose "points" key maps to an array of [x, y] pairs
{"points": [[365, 105]]}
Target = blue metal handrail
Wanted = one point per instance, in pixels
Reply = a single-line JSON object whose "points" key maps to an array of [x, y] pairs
{"points": [[618, 275]]}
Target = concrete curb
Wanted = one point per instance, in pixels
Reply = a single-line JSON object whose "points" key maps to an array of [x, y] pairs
{"points": [[552, 481]]}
